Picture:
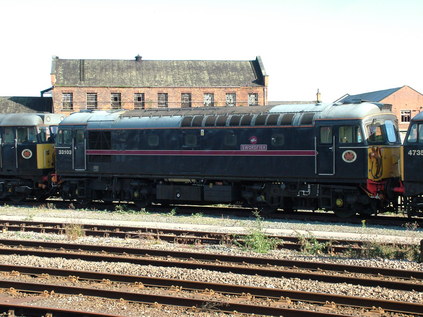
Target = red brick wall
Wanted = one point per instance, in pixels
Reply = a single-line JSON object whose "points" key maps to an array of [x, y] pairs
{"points": [[405, 98], [151, 99]]}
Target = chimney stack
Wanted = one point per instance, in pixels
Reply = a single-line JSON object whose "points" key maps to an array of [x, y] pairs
{"points": [[318, 97]]}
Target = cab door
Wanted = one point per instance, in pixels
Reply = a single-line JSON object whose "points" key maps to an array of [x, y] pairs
{"points": [[79, 150], [8, 156], [325, 147]]}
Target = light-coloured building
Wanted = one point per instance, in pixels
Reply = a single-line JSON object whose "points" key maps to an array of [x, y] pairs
{"points": [[405, 102]]}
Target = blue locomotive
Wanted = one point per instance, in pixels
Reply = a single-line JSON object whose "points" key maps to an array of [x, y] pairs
{"points": [[339, 157]]}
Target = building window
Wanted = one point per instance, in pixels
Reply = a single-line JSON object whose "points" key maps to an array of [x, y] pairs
{"points": [[116, 101], [253, 99], [67, 101], [186, 101], [231, 100], [139, 101], [405, 115], [92, 101], [208, 100], [162, 100]]}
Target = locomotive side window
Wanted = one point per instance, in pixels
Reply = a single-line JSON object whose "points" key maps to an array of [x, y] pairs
{"points": [[350, 134], [325, 135], [153, 140], [190, 140], [278, 140], [230, 139]]}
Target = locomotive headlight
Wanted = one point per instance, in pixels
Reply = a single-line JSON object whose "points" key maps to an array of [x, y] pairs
{"points": [[339, 202]]}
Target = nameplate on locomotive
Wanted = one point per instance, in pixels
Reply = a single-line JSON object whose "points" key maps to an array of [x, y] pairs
{"points": [[253, 147]]}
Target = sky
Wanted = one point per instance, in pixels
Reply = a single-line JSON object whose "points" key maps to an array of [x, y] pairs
{"points": [[336, 46]]}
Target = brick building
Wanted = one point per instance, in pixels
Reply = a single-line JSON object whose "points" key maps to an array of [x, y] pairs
{"points": [[405, 101], [79, 84]]}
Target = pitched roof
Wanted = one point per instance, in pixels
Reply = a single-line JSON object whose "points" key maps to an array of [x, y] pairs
{"points": [[25, 104], [374, 96], [157, 73]]}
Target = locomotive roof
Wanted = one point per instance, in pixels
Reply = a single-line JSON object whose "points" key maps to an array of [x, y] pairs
{"points": [[294, 114], [418, 117], [29, 119]]}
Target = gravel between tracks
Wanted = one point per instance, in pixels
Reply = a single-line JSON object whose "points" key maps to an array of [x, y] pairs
{"points": [[213, 224]]}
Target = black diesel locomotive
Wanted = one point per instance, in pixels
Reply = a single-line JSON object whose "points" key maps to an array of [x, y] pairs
{"points": [[27, 155], [340, 157], [412, 172]]}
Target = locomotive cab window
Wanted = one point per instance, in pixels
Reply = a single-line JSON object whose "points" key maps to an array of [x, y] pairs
{"points": [[350, 134], [412, 136], [325, 135], [416, 134], [382, 132], [9, 135], [26, 134], [64, 137], [391, 132]]}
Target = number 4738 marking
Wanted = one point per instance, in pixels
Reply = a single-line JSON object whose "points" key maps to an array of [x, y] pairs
{"points": [[415, 152]]}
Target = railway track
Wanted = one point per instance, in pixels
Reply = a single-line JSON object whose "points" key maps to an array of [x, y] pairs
{"points": [[223, 297], [187, 236], [7, 309], [325, 272], [399, 220]]}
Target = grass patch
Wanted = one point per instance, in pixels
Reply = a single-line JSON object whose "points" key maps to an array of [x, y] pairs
{"points": [[310, 245], [74, 231], [371, 250], [257, 240]]}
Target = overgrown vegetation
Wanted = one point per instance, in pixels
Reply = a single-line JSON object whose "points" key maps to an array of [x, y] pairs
{"points": [[74, 231], [371, 250], [311, 245], [257, 240]]}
